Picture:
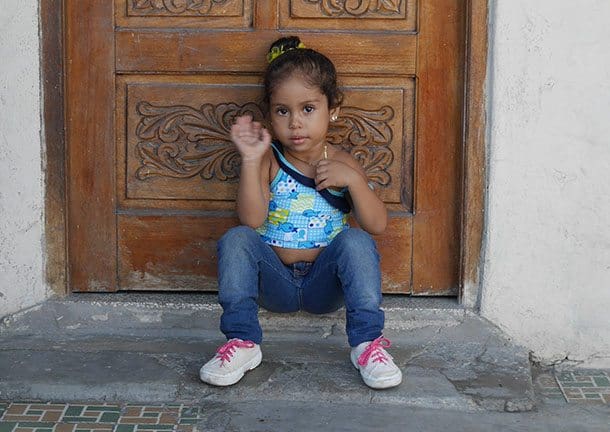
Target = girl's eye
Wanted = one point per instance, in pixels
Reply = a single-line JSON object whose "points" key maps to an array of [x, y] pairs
{"points": [[308, 109], [281, 111]]}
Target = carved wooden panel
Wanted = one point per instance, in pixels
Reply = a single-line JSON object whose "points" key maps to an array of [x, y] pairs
{"points": [[176, 252], [353, 15], [213, 14], [141, 50], [177, 144]]}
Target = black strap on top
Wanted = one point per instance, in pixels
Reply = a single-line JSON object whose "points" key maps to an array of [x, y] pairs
{"points": [[337, 202]]}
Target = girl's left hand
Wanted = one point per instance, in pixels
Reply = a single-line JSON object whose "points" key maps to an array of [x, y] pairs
{"points": [[334, 173]]}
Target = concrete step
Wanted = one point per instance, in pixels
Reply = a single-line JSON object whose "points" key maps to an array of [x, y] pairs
{"points": [[149, 347]]}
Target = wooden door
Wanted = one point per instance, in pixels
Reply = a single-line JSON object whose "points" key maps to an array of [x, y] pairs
{"points": [[154, 85]]}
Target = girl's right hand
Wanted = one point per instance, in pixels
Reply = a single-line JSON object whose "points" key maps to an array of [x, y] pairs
{"points": [[251, 138]]}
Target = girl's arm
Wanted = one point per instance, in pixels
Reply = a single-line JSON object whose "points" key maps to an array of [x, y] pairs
{"points": [[345, 171], [253, 143]]}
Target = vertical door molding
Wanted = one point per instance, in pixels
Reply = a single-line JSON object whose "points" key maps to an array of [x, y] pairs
{"points": [[54, 151], [90, 145], [474, 168]]}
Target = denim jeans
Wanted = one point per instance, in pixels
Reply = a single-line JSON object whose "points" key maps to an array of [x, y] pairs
{"points": [[346, 272]]}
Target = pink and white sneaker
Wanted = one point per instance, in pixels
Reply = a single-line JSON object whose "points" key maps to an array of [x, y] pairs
{"points": [[231, 362], [376, 366]]}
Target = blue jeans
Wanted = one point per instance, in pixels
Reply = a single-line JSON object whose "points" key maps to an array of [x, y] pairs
{"points": [[251, 274]]}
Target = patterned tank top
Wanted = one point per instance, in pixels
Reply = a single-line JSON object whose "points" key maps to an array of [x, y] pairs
{"points": [[299, 216]]}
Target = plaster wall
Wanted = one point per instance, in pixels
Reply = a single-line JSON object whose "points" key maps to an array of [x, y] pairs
{"points": [[21, 189], [546, 274]]}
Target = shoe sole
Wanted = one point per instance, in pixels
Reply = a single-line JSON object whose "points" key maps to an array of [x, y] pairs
{"points": [[235, 376], [391, 381]]}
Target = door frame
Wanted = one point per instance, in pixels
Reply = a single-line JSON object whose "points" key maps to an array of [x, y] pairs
{"points": [[474, 167]]}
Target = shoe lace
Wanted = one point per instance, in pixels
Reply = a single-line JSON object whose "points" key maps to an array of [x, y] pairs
{"points": [[225, 352], [375, 351]]}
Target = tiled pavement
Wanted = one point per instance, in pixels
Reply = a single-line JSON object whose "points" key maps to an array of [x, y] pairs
{"points": [[574, 386], [59, 417], [585, 385]]}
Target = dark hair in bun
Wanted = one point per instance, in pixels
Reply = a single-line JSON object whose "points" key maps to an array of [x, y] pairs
{"points": [[288, 56]]}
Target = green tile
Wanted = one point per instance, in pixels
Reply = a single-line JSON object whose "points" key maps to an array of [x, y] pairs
{"points": [[587, 372], [592, 396], [7, 426], [82, 430], [602, 381], [34, 412], [44, 430], [36, 424], [107, 408], [155, 427], [77, 419], [124, 428], [110, 417], [578, 384], [150, 414], [74, 410], [188, 421]]}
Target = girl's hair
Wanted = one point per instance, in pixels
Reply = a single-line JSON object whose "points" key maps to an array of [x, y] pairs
{"points": [[288, 56]]}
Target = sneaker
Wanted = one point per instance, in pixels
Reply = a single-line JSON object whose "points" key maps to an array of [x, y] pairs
{"points": [[375, 364], [231, 362]]}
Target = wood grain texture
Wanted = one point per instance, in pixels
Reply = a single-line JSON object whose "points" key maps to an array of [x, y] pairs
{"points": [[385, 16], [170, 252], [436, 233], [181, 52], [228, 14], [474, 154], [51, 22], [178, 252], [90, 140], [265, 14], [173, 139]]}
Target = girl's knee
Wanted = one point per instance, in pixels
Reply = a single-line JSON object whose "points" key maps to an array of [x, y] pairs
{"points": [[356, 241]]}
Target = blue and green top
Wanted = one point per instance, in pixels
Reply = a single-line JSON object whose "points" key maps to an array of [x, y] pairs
{"points": [[299, 216]]}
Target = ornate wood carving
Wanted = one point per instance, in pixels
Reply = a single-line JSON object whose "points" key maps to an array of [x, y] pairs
{"points": [[182, 142], [174, 7], [367, 135], [359, 8]]}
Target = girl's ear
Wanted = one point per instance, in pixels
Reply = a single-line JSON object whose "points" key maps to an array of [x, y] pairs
{"points": [[334, 113]]}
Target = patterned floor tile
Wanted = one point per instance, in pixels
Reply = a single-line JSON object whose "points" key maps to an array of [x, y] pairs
{"points": [[34, 416], [585, 385]]}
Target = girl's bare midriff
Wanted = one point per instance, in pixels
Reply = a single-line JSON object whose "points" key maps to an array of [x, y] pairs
{"points": [[290, 256]]}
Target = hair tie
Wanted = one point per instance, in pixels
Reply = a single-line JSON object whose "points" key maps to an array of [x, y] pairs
{"points": [[277, 51]]}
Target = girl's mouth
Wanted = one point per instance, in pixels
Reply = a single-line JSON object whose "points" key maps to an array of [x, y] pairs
{"points": [[297, 139]]}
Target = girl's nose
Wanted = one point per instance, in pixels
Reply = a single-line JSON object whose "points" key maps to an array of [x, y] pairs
{"points": [[295, 122]]}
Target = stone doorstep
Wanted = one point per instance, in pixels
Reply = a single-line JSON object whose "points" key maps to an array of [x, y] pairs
{"points": [[180, 314], [145, 352]]}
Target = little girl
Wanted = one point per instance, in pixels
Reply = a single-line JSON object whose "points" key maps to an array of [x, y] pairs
{"points": [[295, 250]]}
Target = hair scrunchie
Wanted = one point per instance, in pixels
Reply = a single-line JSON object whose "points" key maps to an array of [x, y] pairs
{"points": [[276, 51]]}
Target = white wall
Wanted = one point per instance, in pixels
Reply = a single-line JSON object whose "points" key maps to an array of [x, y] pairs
{"points": [[546, 274], [21, 191]]}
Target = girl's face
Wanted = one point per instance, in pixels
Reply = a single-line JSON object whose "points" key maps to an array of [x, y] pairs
{"points": [[300, 115]]}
